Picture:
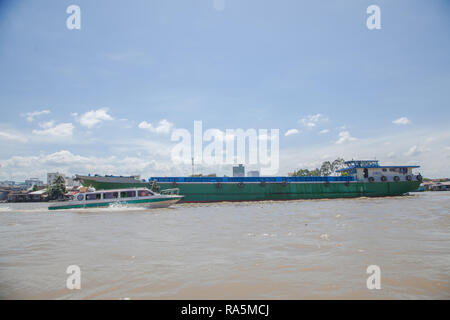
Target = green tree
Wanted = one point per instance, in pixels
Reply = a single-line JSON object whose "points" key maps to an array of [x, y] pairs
{"points": [[301, 173], [326, 169], [337, 164], [306, 173], [58, 189]]}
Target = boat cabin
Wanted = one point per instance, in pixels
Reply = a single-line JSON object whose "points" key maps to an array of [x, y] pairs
{"points": [[114, 194], [370, 170]]}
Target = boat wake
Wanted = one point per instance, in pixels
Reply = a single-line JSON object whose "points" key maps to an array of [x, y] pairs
{"points": [[123, 207]]}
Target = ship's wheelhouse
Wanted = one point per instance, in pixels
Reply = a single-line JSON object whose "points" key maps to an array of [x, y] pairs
{"points": [[371, 170]]}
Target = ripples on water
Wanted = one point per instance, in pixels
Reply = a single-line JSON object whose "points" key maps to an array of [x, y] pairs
{"points": [[256, 250]]}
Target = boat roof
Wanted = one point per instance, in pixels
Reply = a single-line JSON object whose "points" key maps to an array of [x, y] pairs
{"points": [[118, 190], [372, 166], [369, 163]]}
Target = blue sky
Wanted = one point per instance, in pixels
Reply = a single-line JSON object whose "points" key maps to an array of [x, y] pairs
{"points": [[254, 64]]}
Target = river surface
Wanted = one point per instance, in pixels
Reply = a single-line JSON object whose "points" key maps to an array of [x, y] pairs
{"points": [[307, 249]]}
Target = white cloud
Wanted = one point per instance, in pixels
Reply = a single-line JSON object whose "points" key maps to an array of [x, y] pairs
{"points": [[344, 136], [29, 116], [152, 157], [312, 120], [94, 117], [70, 164], [46, 125], [401, 121], [324, 131], [413, 151], [163, 127], [63, 130], [12, 137], [429, 153], [291, 132]]}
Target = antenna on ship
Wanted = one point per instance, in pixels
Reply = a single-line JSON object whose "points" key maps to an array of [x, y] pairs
{"points": [[192, 166]]}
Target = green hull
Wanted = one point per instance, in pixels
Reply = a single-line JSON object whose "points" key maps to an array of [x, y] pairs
{"points": [[106, 204], [210, 192]]}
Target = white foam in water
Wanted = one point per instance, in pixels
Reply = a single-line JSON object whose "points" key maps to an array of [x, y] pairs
{"points": [[114, 207], [118, 207], [325, 237]]}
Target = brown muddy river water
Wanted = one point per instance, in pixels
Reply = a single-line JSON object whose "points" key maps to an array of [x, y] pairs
{"points": [[310, 249]]}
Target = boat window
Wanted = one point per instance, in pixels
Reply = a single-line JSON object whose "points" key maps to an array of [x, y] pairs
{"points": [[111, 195], [384, 169], [93, 196], [144, 193], [128, 194]]}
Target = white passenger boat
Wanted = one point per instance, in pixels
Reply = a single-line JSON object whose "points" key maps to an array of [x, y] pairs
{"points": [[141, 197]]}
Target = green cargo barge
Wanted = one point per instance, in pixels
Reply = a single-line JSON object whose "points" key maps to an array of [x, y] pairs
{"points": [[360, 178]]}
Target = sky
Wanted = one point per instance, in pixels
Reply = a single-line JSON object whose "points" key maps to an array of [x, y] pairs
{"points": [[106, 98]]}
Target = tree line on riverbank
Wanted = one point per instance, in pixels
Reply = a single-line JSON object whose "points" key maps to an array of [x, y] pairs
{"points": [[326, 169]]}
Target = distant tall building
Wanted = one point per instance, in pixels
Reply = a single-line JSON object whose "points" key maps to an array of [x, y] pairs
{"points": [[254, 173], [71, 182], [239, 171], [51, 177], [33, 182]]}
